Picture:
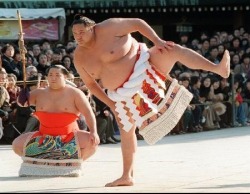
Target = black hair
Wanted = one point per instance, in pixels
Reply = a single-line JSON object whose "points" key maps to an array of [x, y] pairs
{"points": [[32, 81], [80, 19], [5, 47], [245, 55], [43, 41], [194, 80], [70, 50], [185, 79], [57, 51], [58, 66]]}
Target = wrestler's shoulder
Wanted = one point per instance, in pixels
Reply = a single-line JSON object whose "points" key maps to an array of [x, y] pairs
{"points": [[111, 20], [39, 90], [77, 51], [72, 89], [74, 92], [79, 54]]}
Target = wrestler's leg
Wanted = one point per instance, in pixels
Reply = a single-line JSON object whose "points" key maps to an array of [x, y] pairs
{"points": [[164, 60], [128, 146], [18, 143], [87, 147]]}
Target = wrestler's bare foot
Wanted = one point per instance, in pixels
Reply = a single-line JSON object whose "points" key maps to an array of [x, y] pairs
{"points": [[224, 65], [121, 182]]}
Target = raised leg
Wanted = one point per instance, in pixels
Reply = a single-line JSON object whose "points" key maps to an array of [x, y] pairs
{"points": [[164, 60]]}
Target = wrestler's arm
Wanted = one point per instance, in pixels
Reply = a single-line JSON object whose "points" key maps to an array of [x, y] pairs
{"points": [[124, 26], [33, 96], [84, 107], [90, 82]]}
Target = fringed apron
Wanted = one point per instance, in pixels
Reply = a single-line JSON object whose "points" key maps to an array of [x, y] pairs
{"points": [[53, 150], [156, 102]]}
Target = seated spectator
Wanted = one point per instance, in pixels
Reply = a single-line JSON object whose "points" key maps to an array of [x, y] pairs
{"points": [[12, 88], [246, 98], [235, 61], [56, 57], [31, 71], [23, 118], [71, 77], [223, 91], [221, 50], [240, 113], [36, 50], [4, 95], [4, 105], [43, 81], [68, 64], [30, 60], [187, 120], [196, 105], [43, 64], [7, 61], [244, 67], [49, 54], [211, 116], [216, 97], [213, 54], [45, 44], [17, 62]]}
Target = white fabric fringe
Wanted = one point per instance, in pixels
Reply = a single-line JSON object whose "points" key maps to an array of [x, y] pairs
{"points": [[49, 171], [123, 97], [166, 122]]}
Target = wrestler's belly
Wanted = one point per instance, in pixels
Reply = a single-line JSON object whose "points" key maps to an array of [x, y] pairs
{"points": [[115, 74], [113, 79]]}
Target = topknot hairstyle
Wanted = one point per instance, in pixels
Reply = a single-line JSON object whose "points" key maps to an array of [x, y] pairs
{"points": [[80, 19], [58, 66]]}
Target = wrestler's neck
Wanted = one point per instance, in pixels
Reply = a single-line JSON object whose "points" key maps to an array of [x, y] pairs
{"points": [[56, 89]]}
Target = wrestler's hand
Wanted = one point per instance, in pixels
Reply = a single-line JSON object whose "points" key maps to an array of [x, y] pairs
{"points": [[94, 138], [164, 45], [23, 97]]}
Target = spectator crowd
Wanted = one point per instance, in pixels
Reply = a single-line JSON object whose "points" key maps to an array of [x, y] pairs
{"points": [[217, 102]]}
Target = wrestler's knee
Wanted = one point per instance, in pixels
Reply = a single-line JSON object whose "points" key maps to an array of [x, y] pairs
{"points": [[18, 143], [88, 151], [92, 146], [85, 141], [127, 135], [17, 147]]}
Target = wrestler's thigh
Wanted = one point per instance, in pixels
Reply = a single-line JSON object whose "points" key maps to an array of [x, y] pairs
{"points": [[83, 138], [19, 142], [163, 60]]}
